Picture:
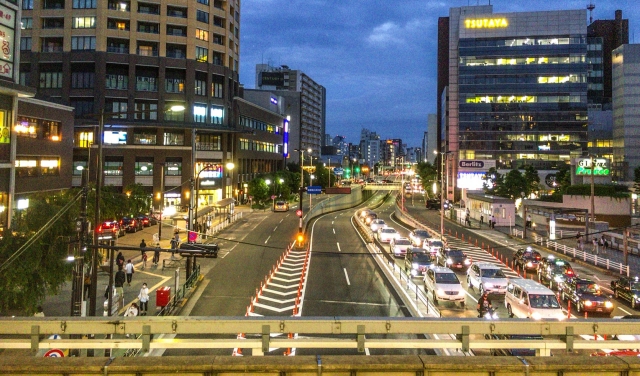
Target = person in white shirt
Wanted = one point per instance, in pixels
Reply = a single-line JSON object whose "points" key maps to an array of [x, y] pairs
{"points": [[129, 270], [144, 299]]}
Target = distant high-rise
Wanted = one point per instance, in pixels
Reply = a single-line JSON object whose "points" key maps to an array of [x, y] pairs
{"points": [[310, 131], [370, 147]]}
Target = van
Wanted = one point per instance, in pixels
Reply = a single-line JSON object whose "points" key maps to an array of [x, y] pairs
{"points": [[526, 298]]}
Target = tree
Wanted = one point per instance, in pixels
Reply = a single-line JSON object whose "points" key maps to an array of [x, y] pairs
{"points": [[513, 185], [532, 180], [427, 172], [138, 200], [41, 269], [562, 182], [492, 182]]}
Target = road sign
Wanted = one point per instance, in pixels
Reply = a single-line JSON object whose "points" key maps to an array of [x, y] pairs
{"points": [[54, 353], [273, 197], [314, 189], [338, 171]]}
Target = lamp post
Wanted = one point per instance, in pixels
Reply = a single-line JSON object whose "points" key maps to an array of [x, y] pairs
{"points": [[230, 166], [301, 184], [207, 167], [593, 204], [273, 197], [443, 159]]}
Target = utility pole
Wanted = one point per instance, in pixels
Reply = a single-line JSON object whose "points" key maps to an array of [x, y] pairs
{"points": [[93, 295]]}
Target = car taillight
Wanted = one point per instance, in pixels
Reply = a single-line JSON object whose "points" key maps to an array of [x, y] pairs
{"points": [[99, 229]]}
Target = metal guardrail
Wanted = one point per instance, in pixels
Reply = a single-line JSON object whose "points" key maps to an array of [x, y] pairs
{"points": [[314, 333], [517, 233], [181, 293], [583, 255]]}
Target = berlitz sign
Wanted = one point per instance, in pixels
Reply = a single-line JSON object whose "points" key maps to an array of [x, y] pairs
{"points": [[472, 164], [600, 166]]}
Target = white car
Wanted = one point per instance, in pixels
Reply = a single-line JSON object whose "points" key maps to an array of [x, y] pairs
{"points": [[444, 285], [385, 234], [399, 246], [433, 246], [488, 277], [376, 224]]}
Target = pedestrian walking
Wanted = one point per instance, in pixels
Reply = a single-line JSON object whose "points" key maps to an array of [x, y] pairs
{"points": [[493, 222], [528, 224], [601, 242], [119, 281], [481, 220], [595, 245], [174, 245], [143, 254], [120, 260], [143, 296], [87, 286], [467, 220], [130, 270], [606, 245], [156, 256]]}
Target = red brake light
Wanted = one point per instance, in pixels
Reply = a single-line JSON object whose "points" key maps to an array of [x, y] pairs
{"points": [[99, 229]]}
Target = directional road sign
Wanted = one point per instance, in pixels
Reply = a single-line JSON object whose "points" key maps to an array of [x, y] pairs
{"points": [[338, 171], [314, 189]]}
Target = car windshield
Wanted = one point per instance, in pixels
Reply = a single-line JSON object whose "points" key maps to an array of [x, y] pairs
{"points": [[446, 278], [402, 242], [437, 243], [421, 233], [388, 230], [635, 285], [421, 258], [280, 203], [588, 287], [543, 301], [493, 273], [555, 268], [455, 253], [379, 222]]}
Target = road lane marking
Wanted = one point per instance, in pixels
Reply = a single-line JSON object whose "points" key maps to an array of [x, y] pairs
{"points": [[332, 222], [346, 276], [334, 231], [282, 219], [265, 242], [339, 250], [275, 228]]}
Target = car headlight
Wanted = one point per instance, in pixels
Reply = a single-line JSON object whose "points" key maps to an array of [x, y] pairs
{"points": [[608, 304], [414, 265], [414, 272], [558, 278], [529, 264], [488, 285], [536, 316], [461, 292], [449, 261], [440, 292], [588, 303], [467, 262]]}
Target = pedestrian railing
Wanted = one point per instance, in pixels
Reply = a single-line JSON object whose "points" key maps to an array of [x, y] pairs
{"points": [[592, 258], [517, 233], [223, 224], [181, 292]]}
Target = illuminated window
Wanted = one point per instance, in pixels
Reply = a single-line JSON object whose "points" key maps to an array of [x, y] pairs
{"points": [[144, 168], [26, 167], [202, 35], [217, 115], [173, 168], [83, 139], [144, 138], [78, 167], [84, 22], [174, 138], [49, 166]]}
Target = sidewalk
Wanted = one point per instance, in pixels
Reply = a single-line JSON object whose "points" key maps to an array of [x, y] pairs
{"points": [[154, 276], [613, 255]]}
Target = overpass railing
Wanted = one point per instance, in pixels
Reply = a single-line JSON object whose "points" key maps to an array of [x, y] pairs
{"points": [[265, 333]]}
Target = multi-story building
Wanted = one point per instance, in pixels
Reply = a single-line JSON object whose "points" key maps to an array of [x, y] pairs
{"points": [[128, 66], [308, 125], [626, 110], [516, 91], [10, 91]]}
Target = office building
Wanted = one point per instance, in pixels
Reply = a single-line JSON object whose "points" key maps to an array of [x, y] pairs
{"points": [[307, 99], [516, 88], [626, 110], [139, 62]]}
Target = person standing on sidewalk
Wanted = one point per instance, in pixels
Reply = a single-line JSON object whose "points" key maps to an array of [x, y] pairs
{"points": [[118, 282], [130, 270], [143, 254], [156, 256], [595, 245], [528, 224], [144, 299]]}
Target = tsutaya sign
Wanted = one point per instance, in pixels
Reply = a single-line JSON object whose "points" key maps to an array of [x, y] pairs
{"points": [[601, 166], [485, 23]]}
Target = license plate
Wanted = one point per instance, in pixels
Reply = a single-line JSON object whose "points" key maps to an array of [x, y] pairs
{"points": [[598, 309]]}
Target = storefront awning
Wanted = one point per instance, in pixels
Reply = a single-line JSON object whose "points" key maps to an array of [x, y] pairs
{"points": [[224, 202]]}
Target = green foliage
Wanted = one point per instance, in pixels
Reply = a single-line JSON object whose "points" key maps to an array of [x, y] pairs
{"points": [[138, 200], [492, 182], [42, 268], [428, 174], [563, 181], [605, 190], [532, 180]]}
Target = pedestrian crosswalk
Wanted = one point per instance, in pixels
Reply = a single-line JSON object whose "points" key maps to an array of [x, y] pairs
{"points": [[477, 254]]}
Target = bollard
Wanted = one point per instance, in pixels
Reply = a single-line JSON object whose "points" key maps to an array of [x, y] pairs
{"points": [[586, 315], [476, 242], [568, 309], [524, 271]]}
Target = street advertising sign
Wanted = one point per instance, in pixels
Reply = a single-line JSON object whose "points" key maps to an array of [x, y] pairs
{"points": [[314, 189], [600, 168]]}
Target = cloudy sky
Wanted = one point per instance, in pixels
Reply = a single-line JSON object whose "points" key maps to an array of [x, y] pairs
{"points": [[377, 59]]}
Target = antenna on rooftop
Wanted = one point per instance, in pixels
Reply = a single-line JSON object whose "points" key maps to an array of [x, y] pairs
{"points": [[591, 7]]}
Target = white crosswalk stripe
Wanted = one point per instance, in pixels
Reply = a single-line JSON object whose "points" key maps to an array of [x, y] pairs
{"points": [[477, 254]]}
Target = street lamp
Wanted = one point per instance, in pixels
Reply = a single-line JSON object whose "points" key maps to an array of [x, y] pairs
{"points": [[444, 156], [273, 197], [208, 167], [301, 186]]}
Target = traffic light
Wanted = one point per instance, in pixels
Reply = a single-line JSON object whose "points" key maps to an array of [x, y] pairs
{"points": [[357, 169], [299, 212]]}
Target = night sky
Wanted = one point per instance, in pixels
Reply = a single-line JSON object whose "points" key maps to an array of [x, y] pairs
{"points": [[377, 59]]}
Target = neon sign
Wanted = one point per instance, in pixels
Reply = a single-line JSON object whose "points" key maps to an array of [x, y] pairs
{"points": [[600, 168], [485, 23]]}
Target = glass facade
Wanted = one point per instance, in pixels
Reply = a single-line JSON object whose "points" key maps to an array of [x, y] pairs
{"points": [[523, 100]]}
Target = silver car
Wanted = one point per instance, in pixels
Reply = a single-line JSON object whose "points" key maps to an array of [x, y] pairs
{"points": [[376, 224], [418, 236], [385, 234], [488, 277], [399, 246]]}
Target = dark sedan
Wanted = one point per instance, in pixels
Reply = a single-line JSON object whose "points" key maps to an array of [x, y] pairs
{"points": [[453, 259], [586, 296], [527, 259], [130, 224]]}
